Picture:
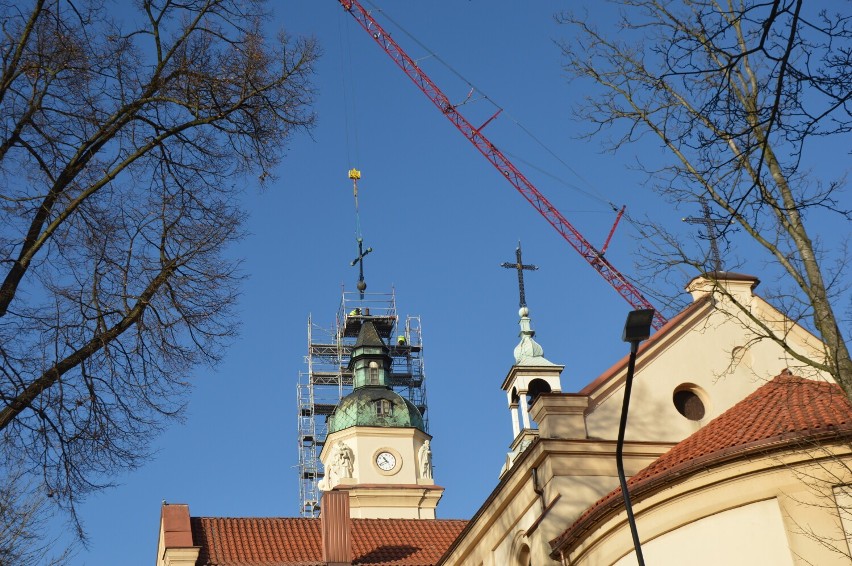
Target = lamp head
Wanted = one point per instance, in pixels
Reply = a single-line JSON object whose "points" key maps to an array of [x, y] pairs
{"points": [[638, 325]]}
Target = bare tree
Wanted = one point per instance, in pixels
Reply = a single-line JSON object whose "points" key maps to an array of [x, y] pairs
{"points": [[123, 146], [25, 515], [734, 90]]}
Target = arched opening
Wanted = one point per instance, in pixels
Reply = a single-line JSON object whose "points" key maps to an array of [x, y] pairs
{"points": [[536, 388], [515, 398], [523, 557]]}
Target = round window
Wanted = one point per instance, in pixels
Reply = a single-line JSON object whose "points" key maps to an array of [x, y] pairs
{"points": [[689, 404]]}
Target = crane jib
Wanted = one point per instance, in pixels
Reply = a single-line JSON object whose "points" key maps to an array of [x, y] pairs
{"points": [[592, 256]]}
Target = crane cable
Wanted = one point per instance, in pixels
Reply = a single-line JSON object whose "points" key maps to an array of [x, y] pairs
{"points": [[350, 123], [352, 143]]}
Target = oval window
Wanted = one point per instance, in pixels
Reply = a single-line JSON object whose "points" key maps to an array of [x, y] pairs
{"points": [[689, 404]]}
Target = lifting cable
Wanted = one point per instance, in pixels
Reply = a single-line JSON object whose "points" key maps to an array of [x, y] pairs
{"points": [[350, 122], [350, 118]]}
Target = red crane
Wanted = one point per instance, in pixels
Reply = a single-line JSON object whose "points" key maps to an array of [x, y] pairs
{"points": [[595, 258]]}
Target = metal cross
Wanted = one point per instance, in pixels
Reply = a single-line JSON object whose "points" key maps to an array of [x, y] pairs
{"points": [[520, 266], [362, 285], [710, 224]]}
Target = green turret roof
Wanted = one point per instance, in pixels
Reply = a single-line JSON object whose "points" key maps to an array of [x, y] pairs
{"points": [[373, 402], [359, 409], [368, 336]]}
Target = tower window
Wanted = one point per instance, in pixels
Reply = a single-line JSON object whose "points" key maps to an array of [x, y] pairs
{"points": [[384, 408], [373, 374]]}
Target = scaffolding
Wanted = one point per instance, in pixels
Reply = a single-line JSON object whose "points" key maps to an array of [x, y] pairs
{"points": [[327, 379]]}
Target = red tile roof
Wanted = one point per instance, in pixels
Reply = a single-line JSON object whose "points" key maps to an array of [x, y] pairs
{"points": [[298, 541], [780, 413]]}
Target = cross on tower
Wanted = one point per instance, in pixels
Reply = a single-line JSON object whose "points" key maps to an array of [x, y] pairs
{"points": [[710, 224], [520, 266], [362, 285]]}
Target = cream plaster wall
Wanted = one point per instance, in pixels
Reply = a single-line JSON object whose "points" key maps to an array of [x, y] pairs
{"points": [[412, 502], [715, 352], [784, 501], [161, 546], [573, 475], [400, 493], [366, 442], [749, 535], [843, 500]]}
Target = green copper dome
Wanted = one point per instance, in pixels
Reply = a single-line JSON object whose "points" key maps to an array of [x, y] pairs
{"points": [[373, 402], [375, 406]]}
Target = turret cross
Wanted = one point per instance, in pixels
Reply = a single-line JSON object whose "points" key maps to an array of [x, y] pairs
{"points": [[521, 267], [362, 285], [710, 224]]}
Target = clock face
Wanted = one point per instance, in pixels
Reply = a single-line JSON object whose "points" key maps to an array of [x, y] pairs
{"points": [[386, 461]]}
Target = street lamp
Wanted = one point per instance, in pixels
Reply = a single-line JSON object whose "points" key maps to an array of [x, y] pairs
{"points": [[636, 329]]}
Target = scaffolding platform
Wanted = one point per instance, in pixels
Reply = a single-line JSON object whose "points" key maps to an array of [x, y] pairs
{"points": [[328, 379], [353, 323]]}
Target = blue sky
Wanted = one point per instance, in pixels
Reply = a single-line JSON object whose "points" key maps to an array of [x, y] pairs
{"points": [[440, 220]]}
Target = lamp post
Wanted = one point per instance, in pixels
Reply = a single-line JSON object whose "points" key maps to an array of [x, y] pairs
{"points": [[636, 329]]}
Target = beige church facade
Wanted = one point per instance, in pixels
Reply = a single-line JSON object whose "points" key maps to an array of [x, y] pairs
{"points": [[735, 454], [701, 364]]}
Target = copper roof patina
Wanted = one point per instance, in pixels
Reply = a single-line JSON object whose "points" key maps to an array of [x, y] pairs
{"points": [[373, 402], [359, 409]]}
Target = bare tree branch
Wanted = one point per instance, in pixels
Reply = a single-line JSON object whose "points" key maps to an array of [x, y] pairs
{"points": [[122, 147], [733, 90]]}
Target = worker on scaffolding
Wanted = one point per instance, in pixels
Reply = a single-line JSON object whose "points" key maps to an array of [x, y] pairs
{"points": [[400, 340], [355, 312]]}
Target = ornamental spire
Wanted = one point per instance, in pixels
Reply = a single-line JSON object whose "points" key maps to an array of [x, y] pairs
{"points": [[528, 352]]}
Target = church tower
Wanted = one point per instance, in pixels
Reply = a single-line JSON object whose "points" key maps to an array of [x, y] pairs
{"points": [[377, 448], [363, 424], [531, 375]]}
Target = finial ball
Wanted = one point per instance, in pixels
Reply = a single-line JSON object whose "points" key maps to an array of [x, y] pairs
{"points": [[523, 311], [362, 285]]}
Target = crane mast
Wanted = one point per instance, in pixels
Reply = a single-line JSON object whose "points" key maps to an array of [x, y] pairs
{"points": [[474, 134]]}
